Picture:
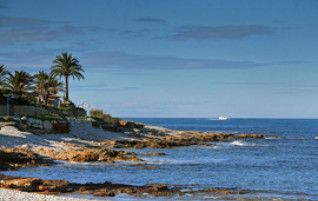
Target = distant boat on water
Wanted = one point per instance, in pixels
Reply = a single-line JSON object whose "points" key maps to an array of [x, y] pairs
{"points": [[222, 118]]}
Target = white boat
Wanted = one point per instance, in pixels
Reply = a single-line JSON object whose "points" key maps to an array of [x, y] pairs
{"points": [[222, 118]]}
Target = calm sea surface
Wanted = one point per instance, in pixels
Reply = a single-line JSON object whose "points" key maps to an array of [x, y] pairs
{"points": [[277, 168]]}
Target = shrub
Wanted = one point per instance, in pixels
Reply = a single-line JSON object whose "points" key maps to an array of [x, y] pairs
{"points": [[97, 114], [100, 115]]}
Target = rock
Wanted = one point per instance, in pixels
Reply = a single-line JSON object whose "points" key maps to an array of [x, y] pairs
{"points": [[149, 167], [19, 157], [89, 155], [160, 187], [154, 154], [24, 118], [104, 194], [47, 125]]}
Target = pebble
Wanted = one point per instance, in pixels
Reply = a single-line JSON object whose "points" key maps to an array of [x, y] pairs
{"points": [[11, 195]]}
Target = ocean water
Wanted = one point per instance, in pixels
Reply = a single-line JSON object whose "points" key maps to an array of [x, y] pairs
{"points": [[276, 169]]}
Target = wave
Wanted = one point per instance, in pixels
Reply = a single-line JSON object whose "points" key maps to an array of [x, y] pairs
{"points": [[316, 138], [246, 144]]}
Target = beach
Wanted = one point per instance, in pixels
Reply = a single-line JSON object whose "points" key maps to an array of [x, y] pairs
{"points": [[6, 195]]}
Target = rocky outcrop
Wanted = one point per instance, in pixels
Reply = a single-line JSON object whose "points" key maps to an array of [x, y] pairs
{"points": [[12, 158], [44, 126], [187, 139], [106, 189], [89, 155]]}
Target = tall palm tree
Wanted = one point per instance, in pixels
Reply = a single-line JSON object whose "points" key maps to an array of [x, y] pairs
{"points": [[67, 66], [18, 82], [3, 73]]}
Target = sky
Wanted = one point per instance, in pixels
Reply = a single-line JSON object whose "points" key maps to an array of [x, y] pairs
{"points": [[174, 58]]}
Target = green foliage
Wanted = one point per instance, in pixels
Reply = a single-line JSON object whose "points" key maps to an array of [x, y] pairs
{"points": [[3, 74], [5, 90], [28, 98], [46, 117], [67, 66], [83, 117], [24, 99], [18, 82], [64, 108], [101, 116], [97, 114]]}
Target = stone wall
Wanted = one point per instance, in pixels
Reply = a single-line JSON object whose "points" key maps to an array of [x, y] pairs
{"points": [[20, 110]]}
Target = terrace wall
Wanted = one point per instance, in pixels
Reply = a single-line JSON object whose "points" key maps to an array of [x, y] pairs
{"points": [[20, 110]]}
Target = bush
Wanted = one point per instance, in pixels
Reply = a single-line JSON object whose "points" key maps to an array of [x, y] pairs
{"points": [[100, 115], [97, 114]]}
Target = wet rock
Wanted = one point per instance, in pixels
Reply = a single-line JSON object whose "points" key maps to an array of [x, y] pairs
{"points": [[104, 194], [154, 154], [12, 158], [254, 136], [89, 155], [160, 187], [149, 167]]}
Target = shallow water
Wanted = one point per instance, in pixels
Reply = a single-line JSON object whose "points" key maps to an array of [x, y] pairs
{"points": [[280, 168]]}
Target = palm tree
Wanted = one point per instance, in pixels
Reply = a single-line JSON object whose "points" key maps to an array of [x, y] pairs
{"points": [[18, 82], [56, 86], [42, 80], [67, 66], [47, 84], [3, 73]]}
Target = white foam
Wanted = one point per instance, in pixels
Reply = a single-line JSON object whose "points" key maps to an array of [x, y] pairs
{"points": [[246, 144], [316, 138]]}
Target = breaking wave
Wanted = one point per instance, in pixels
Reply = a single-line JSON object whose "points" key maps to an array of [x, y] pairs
{"points": [[246, 144]]}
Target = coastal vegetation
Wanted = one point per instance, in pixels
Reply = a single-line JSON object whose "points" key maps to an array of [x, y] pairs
{"points": [[42, 88], [100, 115]]}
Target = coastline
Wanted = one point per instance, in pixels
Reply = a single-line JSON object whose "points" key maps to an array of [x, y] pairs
{"points": [[86, 138]]}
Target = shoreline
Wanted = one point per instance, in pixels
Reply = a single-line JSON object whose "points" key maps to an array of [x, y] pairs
{"points": [[88, 138]]}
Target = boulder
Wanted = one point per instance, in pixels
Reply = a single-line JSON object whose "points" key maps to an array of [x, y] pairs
{"points": [[47, 125]]}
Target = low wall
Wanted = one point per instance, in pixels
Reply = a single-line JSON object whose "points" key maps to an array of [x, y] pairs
{"points": [[20, 110]]}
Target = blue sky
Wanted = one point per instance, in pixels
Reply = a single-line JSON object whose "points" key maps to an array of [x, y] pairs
{"points": [[174, 58]]}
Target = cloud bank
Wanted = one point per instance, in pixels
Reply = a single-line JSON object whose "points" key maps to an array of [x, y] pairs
{"points": [[122, 60], [20, 29], [213, 32]]}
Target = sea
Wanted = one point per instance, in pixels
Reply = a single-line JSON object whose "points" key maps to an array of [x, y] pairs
{"points": [[272, 169]]}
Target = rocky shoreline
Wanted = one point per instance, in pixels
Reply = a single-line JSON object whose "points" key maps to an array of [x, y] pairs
{"points": [[106, 189], [92, 144]]}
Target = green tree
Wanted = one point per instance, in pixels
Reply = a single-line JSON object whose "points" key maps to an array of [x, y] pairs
{"points": [[67, 66], [46, 84], [56, 86], [3, 74], [18, 82]]}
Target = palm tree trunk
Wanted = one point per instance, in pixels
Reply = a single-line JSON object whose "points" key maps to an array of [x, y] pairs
{"points": [[66, 88], [46, 98]]}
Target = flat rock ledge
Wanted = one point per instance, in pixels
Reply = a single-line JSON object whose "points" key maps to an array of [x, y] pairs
{"points": [[106, 189], [186, 138], [89, 155], [13, 158]]}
